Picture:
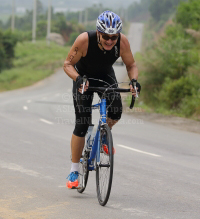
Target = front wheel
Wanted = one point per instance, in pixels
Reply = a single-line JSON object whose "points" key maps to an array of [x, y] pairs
{"points": [[104, 168], [83, 172]]}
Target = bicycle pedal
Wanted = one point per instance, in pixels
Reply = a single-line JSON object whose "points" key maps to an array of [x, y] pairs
{"points": [[75, 187]]}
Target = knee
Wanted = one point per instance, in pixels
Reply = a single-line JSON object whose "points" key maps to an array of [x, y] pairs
{"points": [[81, 127], [115, 113]]}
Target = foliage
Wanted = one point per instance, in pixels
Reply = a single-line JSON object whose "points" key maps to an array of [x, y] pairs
{"points": [[160, 8], [92, 13], [73, 37], [188, 14], [137, 8], [7, 44], [59, 25], [25, 22], [41, 30], [1, 24], [2, 52], [33, 62], [174, 91], [166, 81], [21, 23], [171, 76], [190, 105]]}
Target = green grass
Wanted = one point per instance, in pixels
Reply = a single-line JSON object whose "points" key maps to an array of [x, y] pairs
{"points": [[33, 62], [139, 104]]}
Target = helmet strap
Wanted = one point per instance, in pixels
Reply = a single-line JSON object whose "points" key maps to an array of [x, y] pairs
{"points": [[99, 42]]}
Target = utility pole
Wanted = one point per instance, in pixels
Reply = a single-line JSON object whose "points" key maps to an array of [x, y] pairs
{"points": [[100, 9], [126, 14], [122, 13], [49, 23], [13, 16], [80, 17], [86, 16], [34, 21]]}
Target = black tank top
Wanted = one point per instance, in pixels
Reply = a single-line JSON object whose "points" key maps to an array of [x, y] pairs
{"points": [[97, 63]]}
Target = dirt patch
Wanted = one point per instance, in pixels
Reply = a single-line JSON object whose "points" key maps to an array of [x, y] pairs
{"points": [[171, 121]]}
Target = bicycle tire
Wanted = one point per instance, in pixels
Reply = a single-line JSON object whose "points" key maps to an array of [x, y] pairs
{"points": [[83, 172], [104, 170]]}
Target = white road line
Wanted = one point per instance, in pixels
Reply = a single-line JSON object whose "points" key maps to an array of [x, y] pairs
{"points": [[26, 142], [15, 167], [46, 121], [25, 107], [139, 151], [18, 168]]}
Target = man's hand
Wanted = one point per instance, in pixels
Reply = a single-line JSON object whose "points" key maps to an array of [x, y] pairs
{"points": [[79, 84], [134, 84]]}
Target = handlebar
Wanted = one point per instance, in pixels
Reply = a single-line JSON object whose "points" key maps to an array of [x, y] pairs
{"points": [[109, 90]]}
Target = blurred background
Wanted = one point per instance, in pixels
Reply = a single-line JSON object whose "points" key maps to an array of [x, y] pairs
{"points": [[36, 35]]}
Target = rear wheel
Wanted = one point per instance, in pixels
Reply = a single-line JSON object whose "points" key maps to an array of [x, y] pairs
{"points": [[104, 169]]}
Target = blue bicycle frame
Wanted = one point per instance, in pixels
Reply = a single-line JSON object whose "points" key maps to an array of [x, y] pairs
{"points": [[95, 152]]}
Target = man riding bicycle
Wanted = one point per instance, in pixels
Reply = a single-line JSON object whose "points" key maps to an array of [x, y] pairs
{"points": [[93, 54]]}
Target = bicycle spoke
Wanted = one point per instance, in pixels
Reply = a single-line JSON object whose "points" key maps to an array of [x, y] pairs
{"points": [[105, 168]]}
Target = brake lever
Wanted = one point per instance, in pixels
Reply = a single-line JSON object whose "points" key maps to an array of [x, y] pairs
{"points": [[135, 88], [132, 102], [84, 83]]}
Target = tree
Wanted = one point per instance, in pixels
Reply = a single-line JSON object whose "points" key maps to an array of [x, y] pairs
{"points": [[160, 8], [8, 42], [137, 9], [169, 58], [188, 14]]}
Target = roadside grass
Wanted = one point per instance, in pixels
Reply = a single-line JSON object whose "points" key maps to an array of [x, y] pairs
{"points": [[33, 62], [160, 108], [139, 103]]}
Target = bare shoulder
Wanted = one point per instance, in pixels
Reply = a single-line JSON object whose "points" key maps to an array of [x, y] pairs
{"points": [[124, 44], [82, 38], [82, 42]]}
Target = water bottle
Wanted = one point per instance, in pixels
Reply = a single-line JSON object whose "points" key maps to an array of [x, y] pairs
{"points": [[89, 132], [93, 134]]}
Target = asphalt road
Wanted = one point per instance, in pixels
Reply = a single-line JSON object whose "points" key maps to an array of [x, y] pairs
{"points": [[156, 172]]}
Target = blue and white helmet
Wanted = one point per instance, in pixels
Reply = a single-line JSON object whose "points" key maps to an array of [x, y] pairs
{"points": [[109, 23]]}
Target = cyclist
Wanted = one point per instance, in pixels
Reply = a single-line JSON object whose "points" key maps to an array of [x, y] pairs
{"points": [[93, 54]]}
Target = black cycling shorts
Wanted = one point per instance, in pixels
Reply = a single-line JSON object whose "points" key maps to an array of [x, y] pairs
{"points": [[83, 104]]}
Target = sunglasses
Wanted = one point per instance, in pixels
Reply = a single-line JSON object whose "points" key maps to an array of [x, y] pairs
{"points": [[106, 37]]}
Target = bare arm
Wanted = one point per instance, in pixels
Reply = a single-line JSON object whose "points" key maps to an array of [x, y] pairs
{"points": [[128, 59], [78, 50]]}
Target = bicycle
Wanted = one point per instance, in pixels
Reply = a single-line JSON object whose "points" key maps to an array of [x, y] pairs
{"points": [[97, 156]]}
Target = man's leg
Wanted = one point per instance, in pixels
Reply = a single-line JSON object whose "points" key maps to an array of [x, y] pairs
{"points": [[111, 122], [83, 117], [77, 144]]}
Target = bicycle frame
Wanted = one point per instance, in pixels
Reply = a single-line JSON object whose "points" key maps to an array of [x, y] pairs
{"points": [[95, 152]]}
